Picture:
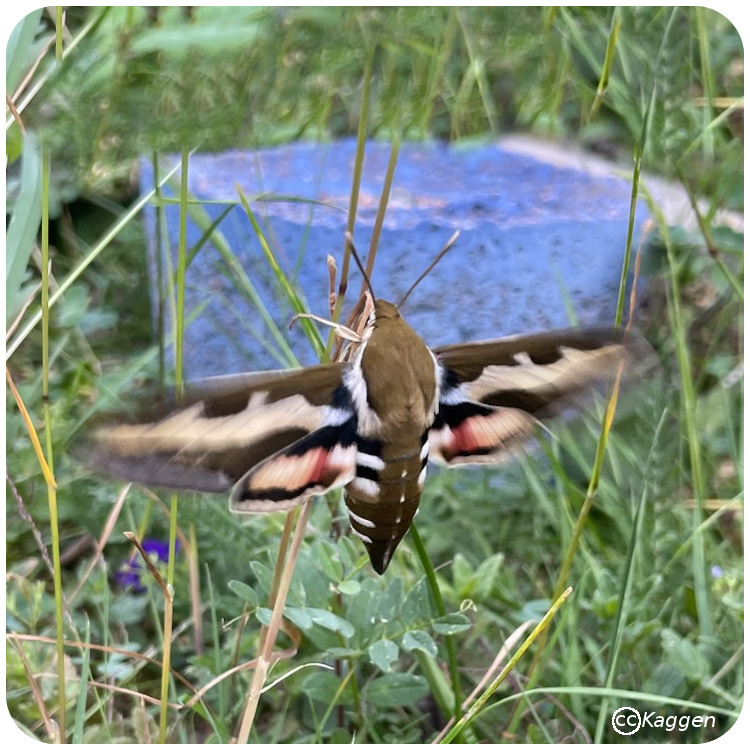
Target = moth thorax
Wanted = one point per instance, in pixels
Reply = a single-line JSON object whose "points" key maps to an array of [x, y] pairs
{"points": [[401, 377]]}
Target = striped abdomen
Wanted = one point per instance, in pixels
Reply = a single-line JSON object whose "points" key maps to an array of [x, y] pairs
{"points": [[384, 496]]}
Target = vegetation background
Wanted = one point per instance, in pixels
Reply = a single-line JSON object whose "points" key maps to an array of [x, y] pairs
{"points": [[656, 617]]}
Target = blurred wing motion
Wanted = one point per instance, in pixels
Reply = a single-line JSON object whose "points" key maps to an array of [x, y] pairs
{"points": [[494, 394], [228, 429], [370, 425]]}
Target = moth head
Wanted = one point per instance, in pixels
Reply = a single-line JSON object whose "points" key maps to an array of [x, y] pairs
{"points": [[385, 310]]}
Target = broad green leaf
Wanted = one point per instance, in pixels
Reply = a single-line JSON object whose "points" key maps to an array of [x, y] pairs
{"points": [[329, 621], [684, 655], [463, 576], [396, 689], [349, 588], [486, 576], [534, 609], [451, 624], [300, 616], [306, 617], [665, 680], [73, 307], [383, 654], [182, 41], [416, 606], [263, 615], [389, 602], [264, 575], [361, 607], [245, 593], [349, 552], [322, 686], [331, 565], [336, 652], [19, 54], [13, 144], [419, 640]]}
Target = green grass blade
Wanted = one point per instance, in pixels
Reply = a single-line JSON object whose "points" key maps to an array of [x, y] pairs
{"points": [[51, 487], [477, 706], [77, 272], [627, 581], [688, 407], [289, 293], [80, 716], [450, 642]]}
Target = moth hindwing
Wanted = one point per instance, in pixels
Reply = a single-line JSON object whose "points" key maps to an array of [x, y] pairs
{"points": [[369, 425]]}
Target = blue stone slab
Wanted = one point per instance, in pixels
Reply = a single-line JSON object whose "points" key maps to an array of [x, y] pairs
{"points": [[537, 241]]}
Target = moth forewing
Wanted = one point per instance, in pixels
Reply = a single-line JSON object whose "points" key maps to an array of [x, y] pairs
{"points": [[227, 427], [323, 460], [495, 393]]}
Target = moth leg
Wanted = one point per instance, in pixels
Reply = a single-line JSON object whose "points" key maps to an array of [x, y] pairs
{"points": [[341, 330]]}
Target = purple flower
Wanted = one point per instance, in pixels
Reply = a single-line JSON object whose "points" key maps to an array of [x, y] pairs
{"points": [[131, 572], [159, 548]]}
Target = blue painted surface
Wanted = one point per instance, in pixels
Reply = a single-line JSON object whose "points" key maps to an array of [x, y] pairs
{"points": [[532, 235]]}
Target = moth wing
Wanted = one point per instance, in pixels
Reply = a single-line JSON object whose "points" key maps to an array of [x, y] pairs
{"points": [[468, 432], [321, 461], [226, 427], [494, 394]]}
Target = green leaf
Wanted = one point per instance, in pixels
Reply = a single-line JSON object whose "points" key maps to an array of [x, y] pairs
{"points": [[684, 656], [245, 593], [73, 306], [360, 608], [349, 552], [331, 565], [533, 609], [13, 144], [336, 652], [463, 576], [329, 621], [389, 602], [182, 41], [419, 640], [383, 654], [263, 615], [323, 685], [19, 54], [264, 575], [665, 680], [299, 616], [486, 576], [395, 689], [24, 224], [416, 606], [306, 617], [349, 588], [451, 624]]}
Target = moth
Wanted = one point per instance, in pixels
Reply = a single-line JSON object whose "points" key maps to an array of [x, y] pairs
{"points": [[369, 425]]}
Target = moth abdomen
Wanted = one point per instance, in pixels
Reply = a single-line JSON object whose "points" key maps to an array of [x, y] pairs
{"points": [[384, 496]]}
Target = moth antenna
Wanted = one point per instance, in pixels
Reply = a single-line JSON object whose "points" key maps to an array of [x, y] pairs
{"points": [[438, 258], [350, 243]]}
